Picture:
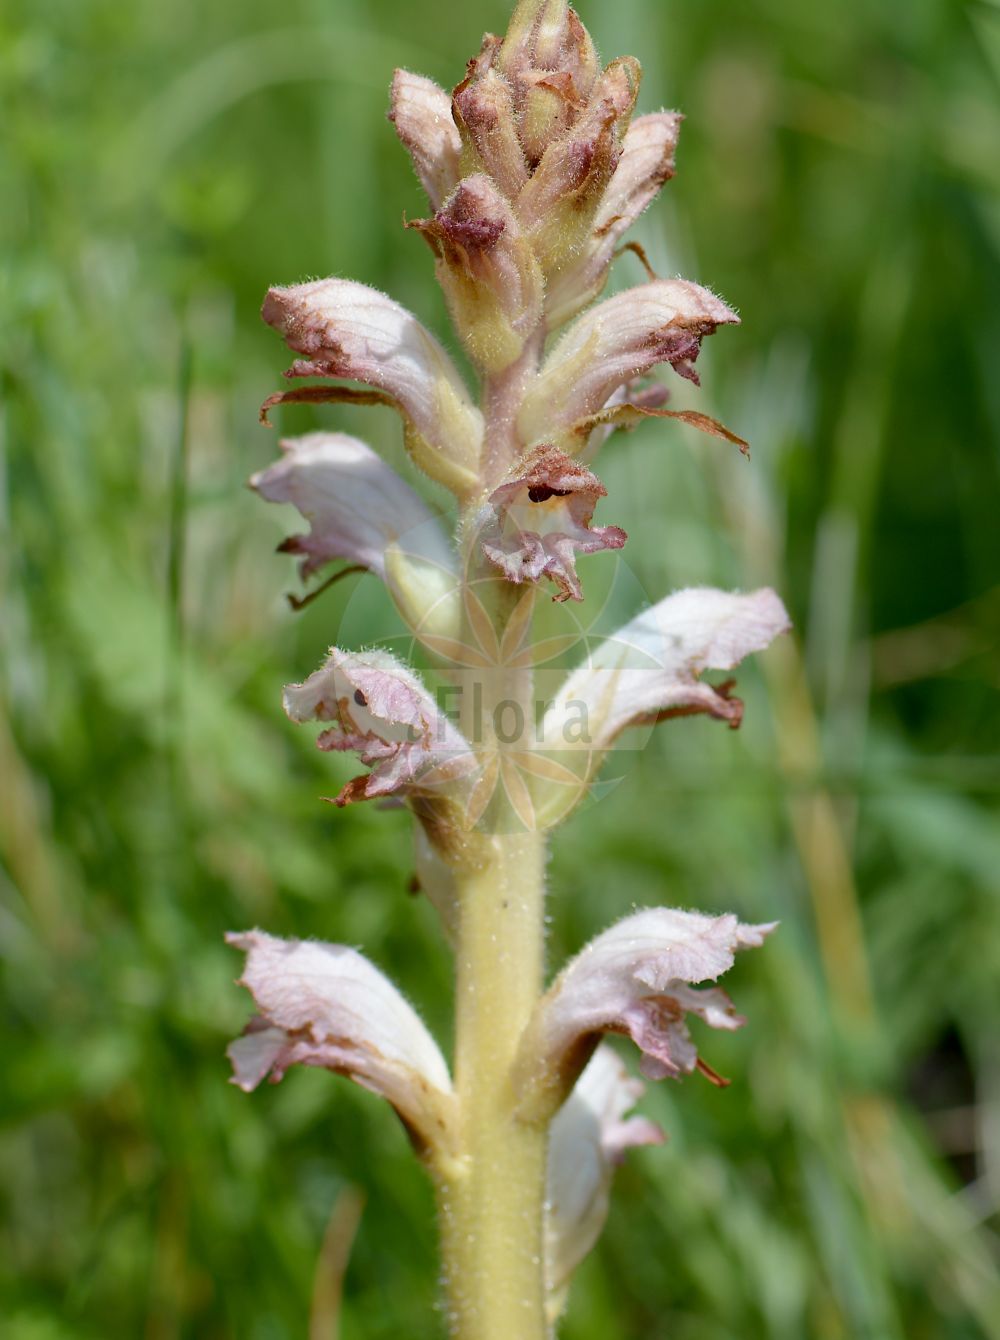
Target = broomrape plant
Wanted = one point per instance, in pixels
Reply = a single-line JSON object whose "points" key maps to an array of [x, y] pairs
{"points": [[534, 168]]}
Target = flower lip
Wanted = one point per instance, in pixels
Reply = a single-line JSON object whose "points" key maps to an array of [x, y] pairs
{"points": [[622, 338], [327, 1005], [533, 525], [638, 979], [383, 712]]}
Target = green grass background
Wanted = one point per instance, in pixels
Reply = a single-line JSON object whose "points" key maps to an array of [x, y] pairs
{"points": [[839, 181]]}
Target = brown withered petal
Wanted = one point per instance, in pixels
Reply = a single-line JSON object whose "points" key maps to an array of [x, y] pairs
{"points": [[628, 414], [421, 113], [534, 525], [487, 268]]}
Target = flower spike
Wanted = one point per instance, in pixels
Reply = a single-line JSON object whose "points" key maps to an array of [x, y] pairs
{"points": [[535, 169]]}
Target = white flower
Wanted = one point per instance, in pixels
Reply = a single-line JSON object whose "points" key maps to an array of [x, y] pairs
{"points": [[348, 330], [587, 1140], [381, 711], [636, 979], [327, 1005], [360, 510], [649, 670], [613, 343], [536, 522]]}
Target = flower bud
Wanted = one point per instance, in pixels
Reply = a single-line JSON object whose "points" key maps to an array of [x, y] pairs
{"points": [[483, 108], [647, 161], [491, 279], [556, 84], [421, 113], [559, 203], [553, 69]]}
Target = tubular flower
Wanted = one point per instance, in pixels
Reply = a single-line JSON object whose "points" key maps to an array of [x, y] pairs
{"points": [[636, 978], [382, 712], [360, 510], [588, 1139], [348, 330], [327, 1005], [534, 525], [649, 671], [612, 344]]}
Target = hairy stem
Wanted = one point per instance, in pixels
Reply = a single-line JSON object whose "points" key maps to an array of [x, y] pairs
{"points": [[492, 1207], [492, 1199]]}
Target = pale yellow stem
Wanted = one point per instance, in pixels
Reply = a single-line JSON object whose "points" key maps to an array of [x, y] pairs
{"points": [[492, 1196], [492, 1206]]}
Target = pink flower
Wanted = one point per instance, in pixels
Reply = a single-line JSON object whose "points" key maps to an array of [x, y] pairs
{"points": [[347, 330], [327, 1005], [535, 523], [381, 711], [636, 978], [360, 510], [588, 1139]]}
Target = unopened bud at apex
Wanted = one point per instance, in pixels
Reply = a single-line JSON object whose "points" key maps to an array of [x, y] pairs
{"points": [[485, 114]]}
